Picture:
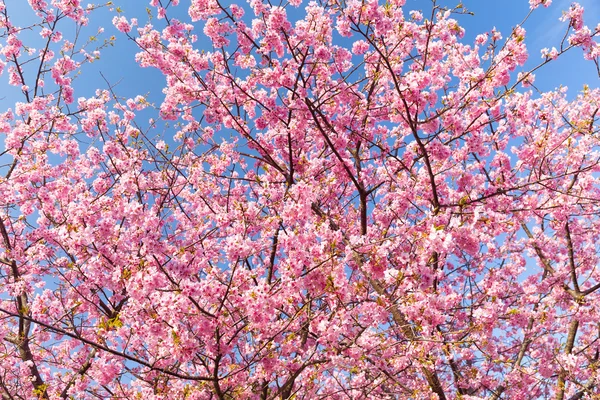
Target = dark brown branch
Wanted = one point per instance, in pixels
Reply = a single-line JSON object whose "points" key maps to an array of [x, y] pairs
{"points": [[562, 375], [81, 372], [571, 258]]}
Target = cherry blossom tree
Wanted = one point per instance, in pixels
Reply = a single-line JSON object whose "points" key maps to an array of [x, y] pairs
{"points": [[334, 200]]}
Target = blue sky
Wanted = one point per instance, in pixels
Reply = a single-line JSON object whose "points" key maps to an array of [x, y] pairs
{"points": [[543, 30]]}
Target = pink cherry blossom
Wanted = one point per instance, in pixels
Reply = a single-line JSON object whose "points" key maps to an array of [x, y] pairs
{"points": [[343, 200]]}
